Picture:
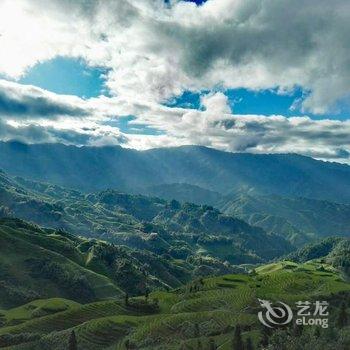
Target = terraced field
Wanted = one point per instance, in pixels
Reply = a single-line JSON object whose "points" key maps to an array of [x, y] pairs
{"points": [[195, 316]]}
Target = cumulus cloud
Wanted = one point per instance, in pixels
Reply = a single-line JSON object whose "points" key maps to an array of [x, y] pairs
{"points": [[55, 118], [21, 101], [34, 115], [215, 126], [91, 135], [154, 51]]}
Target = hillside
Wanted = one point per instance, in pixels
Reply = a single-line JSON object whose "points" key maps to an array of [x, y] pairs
{"points": [[298, 219], [42, 263], [183, 231], [98, 168], [111, 270], [37, 263], [204, 314], [332, 250]]}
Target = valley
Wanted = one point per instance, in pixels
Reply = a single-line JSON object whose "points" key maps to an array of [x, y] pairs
{"points": [[172, 265]]}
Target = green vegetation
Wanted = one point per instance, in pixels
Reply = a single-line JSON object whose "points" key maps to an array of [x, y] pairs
{"points": [[98, 168], [333, 250], [110, 270], [37, 264], [41, 263], [297, 219], [61, 291], [217, 312], [168, 229]]}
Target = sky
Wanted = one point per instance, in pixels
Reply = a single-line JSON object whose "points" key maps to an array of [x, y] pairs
{"points": [[260, 76]]}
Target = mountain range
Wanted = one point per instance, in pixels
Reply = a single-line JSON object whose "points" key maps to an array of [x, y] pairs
{"points": [[140, 222], [98, 168], [62, 292], [110, 248]]}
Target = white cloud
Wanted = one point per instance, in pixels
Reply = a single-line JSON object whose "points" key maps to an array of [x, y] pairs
{"points": [[216, 104], [56, 118], [326, 139], [154, 52]]}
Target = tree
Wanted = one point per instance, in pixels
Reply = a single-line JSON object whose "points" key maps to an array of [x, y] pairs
{"points": [[249, 344], [196, 330], [126, 299], [175, 205], [265, 337], [72, 344], [317, 332], [342, 320], [297, 330], [237, 342]]}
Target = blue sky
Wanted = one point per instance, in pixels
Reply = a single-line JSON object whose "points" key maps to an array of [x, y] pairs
{"points": [[70, 76], [243, 101], [198, 2], [124, 125], [156, 58]]}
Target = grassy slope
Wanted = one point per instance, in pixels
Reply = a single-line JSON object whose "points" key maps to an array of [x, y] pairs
{"points": [[24, 244], [205, 308], [128, 219], [34, 261], [297, 219]]}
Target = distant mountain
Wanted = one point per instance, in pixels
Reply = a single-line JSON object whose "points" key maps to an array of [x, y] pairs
{"points": [[180, 231], [332, 250], [298, 219], [183, 192], [98, 168], [42, 263], [202, 314]]}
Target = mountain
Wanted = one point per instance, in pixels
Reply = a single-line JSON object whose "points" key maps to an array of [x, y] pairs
{"points": [[38, 263], [183, 193], [298, 219], [89, 267], [333, 250], [98, 168], [182, 231], [204, 314]]}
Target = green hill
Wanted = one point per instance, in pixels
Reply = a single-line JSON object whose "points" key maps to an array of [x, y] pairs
{"points": [[44, 263], [99, 168], [203, 312], [181, 231], [38, 264], [297, 219], [332, 250]]}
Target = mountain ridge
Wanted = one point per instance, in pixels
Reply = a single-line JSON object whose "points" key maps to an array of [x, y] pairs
{"points": [[147, 223], [97, 168]]}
